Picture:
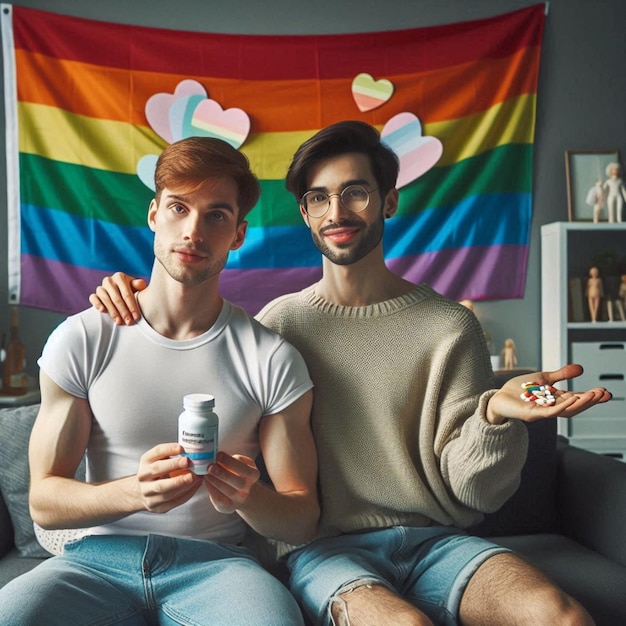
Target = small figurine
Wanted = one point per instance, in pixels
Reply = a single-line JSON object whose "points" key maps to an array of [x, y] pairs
{"points": [[594, 292], [595, 199], [616, 193], [508, 355], [612, 293], [622, 290]]}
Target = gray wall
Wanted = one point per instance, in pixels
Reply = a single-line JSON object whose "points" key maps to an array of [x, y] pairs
{"points": [[582, 95]]}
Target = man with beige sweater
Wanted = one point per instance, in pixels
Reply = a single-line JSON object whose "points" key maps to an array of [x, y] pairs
{"points": [[413, 442]]}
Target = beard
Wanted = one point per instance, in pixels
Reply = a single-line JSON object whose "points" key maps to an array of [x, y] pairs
{"points": [[372, 236], [188, 275]]}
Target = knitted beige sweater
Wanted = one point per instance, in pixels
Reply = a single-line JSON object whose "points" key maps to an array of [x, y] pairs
{"points": [[398, 416]]}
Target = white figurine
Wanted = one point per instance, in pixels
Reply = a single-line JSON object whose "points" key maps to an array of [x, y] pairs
{"points": [[594, 292], [595, 198], [616, 194], [508, 355]]}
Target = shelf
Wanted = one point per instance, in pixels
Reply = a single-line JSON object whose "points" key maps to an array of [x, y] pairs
{"points": [[32, 396], [567, 251], [596, 325], [601, 445], [590, 226]]}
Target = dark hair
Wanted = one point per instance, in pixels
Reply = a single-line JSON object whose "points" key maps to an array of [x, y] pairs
{"points": [[341, 138], [193, 160]]}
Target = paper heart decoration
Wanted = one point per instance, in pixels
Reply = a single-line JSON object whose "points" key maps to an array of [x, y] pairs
{"points": [[181, 114], [369, 93], [159, 105], [145, 170], [231, 125], [417, 154], [188, 112]]}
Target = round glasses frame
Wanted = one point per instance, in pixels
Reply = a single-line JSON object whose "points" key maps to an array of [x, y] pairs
{"points": [[344, 197]]}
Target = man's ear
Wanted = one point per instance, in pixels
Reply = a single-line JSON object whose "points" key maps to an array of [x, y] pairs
{"points": [[240, 235], [305, 216], [152, 209], [390, 205]]}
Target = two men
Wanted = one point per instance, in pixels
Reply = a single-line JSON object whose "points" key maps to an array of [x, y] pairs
{"points": [[163, 543], [413, 442]]}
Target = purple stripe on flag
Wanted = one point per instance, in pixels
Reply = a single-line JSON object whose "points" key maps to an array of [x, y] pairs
{"points": [[495, 275], [67, 286], [495, 271], [45, 281], [253, 289]]}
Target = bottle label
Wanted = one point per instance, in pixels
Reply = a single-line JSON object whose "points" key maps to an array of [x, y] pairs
{"points": [[200, 447]]}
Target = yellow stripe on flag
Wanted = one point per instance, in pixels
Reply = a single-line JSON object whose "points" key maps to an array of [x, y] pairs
{"points": [[102, 144], [54, 134], [511, 122]]}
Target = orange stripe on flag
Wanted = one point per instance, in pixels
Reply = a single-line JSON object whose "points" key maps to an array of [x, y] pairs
{"points": [[277, 106]]}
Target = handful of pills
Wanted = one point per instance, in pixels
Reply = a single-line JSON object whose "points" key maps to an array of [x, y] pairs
{"points": [[544, 395]]}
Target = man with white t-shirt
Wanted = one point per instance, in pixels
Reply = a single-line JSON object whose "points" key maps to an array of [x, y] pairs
{"points": [[162, 542]]}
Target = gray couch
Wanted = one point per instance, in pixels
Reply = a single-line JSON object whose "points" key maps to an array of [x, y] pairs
{"points": [[568, 517], [19, 547]]}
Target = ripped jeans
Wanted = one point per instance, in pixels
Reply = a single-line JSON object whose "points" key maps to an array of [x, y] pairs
{"points": [[429, 567]]}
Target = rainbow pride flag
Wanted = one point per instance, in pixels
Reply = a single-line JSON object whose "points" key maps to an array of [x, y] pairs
{"points": [[76, 95]]}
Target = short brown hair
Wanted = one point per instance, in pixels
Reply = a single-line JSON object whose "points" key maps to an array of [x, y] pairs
{"points": [[193, 160], [341, 138]]}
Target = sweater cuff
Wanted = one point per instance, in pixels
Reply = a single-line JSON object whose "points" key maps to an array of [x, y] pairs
{"points": [[482, 412]]}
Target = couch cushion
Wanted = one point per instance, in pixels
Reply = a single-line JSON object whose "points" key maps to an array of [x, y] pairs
{"points": [[595, 581], [6, 528], [15, 426], [591, 501], [14, 564], [531, 509]]}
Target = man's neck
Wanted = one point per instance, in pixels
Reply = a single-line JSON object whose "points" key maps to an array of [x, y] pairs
{"points": [[369, 281], [180, 312]]}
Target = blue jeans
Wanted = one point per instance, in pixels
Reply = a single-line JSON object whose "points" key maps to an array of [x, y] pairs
{"points": [[429, 567], [102, 580]]}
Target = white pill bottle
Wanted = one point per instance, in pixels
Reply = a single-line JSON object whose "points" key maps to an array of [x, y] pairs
{"points": [[197, 431]]}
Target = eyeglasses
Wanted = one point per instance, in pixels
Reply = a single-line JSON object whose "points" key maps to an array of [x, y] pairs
{"points": [[354, 197]]}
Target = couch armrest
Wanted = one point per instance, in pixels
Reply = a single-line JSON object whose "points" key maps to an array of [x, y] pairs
{"points": [[6, 529], [591, 500]]}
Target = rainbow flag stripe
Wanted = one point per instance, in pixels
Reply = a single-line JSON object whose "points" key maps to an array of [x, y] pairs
{"points": [[77, 128]]}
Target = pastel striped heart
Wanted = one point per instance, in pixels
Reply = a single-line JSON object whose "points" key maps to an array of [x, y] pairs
{"points": [[231, 125], [158, 107], [369, 93], [417, 154], [181, 115], [145, 170]]}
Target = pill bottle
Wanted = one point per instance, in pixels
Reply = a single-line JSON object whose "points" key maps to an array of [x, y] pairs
{"points": [[197, 431]]}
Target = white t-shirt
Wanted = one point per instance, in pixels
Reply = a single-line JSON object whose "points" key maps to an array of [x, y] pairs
{"points": [[135, 380]]}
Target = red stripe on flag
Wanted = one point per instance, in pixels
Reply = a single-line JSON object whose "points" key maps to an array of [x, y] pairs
{"points": [[275, 57]]}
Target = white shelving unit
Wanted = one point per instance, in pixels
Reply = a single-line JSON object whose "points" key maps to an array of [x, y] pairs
{"points": [[567, 250]]}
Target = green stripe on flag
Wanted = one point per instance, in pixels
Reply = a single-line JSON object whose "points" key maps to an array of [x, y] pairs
{"points": [[81, 190]]}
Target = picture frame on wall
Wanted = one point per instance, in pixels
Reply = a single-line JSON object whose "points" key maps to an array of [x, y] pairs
{"points": [[586, 173]]}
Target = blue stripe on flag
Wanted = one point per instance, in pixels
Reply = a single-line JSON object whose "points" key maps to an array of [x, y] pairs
{"points": [[96, 244], [494, 219], [485, 220]]}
